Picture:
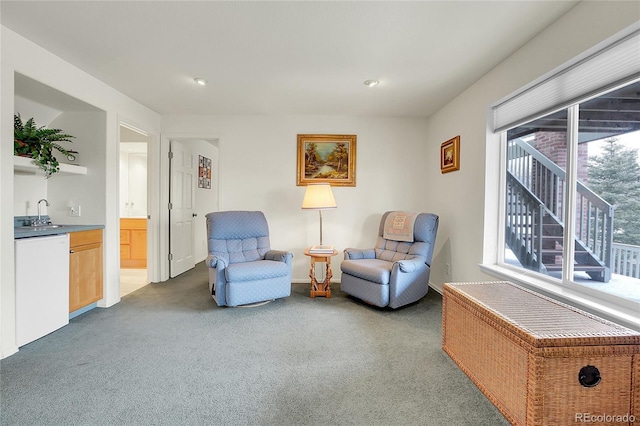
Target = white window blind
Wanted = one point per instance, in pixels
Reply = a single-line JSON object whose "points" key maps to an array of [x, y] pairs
{"points": [[615, 64]]}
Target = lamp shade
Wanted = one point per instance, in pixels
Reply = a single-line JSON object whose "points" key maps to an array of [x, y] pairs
{"points": [[319, 196]]}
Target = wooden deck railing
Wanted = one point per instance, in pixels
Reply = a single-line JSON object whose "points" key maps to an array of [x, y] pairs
{"points": [[545, 182], [626, 260], [524, 224]]}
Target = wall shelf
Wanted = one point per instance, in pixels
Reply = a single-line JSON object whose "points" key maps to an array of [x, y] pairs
{"points": [[26, 165]]}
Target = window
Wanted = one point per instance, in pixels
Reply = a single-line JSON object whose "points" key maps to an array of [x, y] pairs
{"points": [[570, 182], [589, 216]]}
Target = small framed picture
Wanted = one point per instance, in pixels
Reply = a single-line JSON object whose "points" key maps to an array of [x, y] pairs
{"points": [[450, 155], [204, 172]]}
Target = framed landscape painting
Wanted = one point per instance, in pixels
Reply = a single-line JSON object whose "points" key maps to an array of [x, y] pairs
{"points": [[326, 159]]}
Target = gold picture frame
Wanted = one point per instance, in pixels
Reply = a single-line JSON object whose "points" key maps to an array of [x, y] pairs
{"points": [[450, 155], [326, 159]]}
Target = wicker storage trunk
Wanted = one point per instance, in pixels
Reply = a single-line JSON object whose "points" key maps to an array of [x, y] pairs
{"points": [[542, 362]]}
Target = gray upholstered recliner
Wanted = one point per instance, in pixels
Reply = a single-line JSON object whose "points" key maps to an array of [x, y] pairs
{"points": [[394, 273], [242, 267]]}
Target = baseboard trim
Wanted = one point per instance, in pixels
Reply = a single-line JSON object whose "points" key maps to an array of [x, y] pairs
{"points": [[8, 352], [437, 287], [81, 311]]}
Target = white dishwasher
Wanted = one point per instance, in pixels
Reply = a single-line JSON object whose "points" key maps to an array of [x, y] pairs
{"points": [[42, 286]]}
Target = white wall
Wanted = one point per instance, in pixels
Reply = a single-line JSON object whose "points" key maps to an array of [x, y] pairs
{"points": [[62, 191], [461, 194], [19, 55], [42, 115], [258, 172], [85, 191], [29, 188], [397, 159], [7, 292]]}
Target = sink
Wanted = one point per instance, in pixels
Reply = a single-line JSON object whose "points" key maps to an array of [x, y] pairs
{"points": [[41, 227]]}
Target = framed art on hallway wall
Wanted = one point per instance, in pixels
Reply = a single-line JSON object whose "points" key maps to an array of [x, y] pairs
{"points": [[204, 172]]}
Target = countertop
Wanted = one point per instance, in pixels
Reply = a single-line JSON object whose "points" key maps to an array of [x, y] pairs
{"points": [[20, 231], [28, 231]]}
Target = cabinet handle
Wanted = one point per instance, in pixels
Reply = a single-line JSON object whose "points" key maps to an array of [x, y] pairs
{"points": [[71, 251]]}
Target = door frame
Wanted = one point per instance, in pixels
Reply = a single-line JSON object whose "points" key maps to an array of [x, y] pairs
{"points": [[153, 182], [164, 185]]}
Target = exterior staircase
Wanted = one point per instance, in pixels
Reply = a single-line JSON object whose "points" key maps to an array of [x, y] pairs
{"points": [[534, 229]]}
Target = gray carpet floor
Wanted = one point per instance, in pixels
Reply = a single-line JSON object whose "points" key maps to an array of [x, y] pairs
{"points": [[167, 355]]}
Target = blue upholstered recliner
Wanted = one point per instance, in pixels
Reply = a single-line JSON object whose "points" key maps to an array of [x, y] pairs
{"points": [[394, 273], [242, 267]]}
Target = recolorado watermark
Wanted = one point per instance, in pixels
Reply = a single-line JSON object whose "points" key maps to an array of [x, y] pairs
{"points": [[604, 418]]}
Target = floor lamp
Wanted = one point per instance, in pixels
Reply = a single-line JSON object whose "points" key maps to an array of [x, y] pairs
{"points": [[319, 196]]}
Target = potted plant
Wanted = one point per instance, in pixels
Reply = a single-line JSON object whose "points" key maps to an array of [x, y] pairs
{"points": [[38, 143]]}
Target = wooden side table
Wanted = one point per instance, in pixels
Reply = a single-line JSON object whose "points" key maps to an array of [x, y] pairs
{"points": [[323, 288]]}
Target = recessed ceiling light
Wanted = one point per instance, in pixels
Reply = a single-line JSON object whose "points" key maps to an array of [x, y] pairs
{"points": [[371, 83], [200, 81]]}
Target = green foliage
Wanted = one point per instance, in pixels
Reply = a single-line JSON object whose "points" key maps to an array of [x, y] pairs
{"points": [[339, 157], [38, 143], [615, 176]]}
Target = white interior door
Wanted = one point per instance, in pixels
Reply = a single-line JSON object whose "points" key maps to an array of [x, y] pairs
{"points": [[181, 213]]}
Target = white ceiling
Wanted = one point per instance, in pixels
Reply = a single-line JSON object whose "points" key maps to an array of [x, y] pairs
{"points": [[292, 57]]}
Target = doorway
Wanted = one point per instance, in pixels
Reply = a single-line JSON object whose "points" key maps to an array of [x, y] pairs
{"points": [[204, 154], [133, 207]]}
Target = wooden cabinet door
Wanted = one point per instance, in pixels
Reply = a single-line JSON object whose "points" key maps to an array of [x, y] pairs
{"points": [[125, 252], [124, 236], [139, 245], [85, 275], [133, 243]]}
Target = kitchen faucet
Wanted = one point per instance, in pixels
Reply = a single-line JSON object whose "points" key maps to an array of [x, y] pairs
{"points": [[39, 220]]}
